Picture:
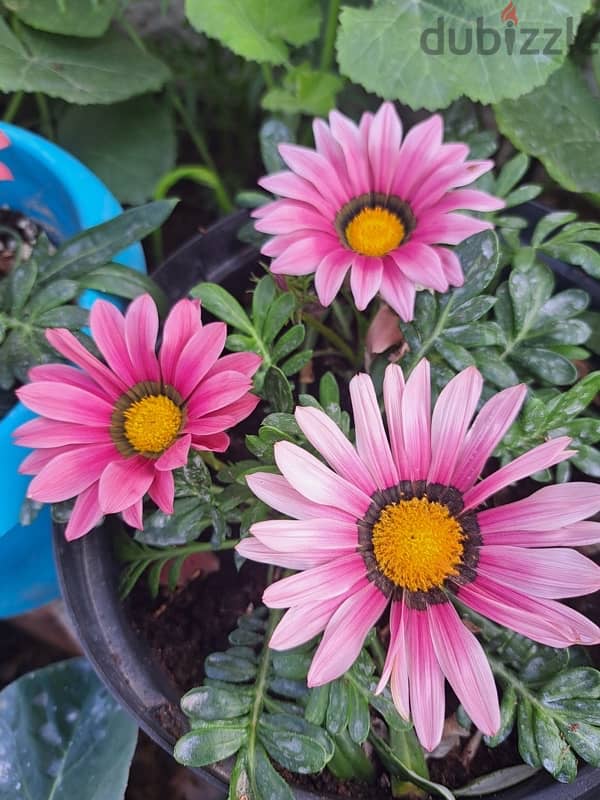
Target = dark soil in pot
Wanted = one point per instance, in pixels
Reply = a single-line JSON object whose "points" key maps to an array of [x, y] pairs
{"points": [[149, 652]]}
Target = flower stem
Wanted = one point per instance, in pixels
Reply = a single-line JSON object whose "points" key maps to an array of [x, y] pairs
{"points": [[331, 336], [13, 106], [45, 118], [267, 75], [329, 35], [196, 136]]}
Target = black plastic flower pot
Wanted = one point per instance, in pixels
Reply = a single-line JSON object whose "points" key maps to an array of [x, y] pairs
{"points": [[88, 571]]}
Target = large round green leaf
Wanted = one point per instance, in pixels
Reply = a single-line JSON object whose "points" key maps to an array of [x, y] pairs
{"points": [[401, 49], [62, 736], [68, 17]]}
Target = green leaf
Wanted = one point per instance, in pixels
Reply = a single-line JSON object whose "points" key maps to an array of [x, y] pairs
{"points": [[529, 291], [359, 718], [295, 363], [258, 30], [141, 137], [549, 223], [288, 342], [228, 667], [471, 310], [511, 173], [527, 743], [318, 702], [210, 703], [277, 390], [125, 282], [263, 296], [564, 305], [477, 334], [587, 460], [457, 356], [508, 715], [208, 742], [273, 132], [96, 246], [305, 91], [269, 783], [559, 124], [479, 256], [77, 70], [338, 710], [496, 781], [71, 317], [556, 757], [86, 18], [384, 48], [295, 743], [21, 281], [223, 305], [546, 365], [55, 294], [575, 253], [277, 315], [61, 732], [291, 664]]}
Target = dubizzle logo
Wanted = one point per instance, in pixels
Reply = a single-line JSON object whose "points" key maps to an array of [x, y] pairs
{"points": [[485, 40], [509, 14]]}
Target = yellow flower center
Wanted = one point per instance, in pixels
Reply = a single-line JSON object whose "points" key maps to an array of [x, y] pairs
{"points": [[417, 543], [374, 231], [152, 423]]}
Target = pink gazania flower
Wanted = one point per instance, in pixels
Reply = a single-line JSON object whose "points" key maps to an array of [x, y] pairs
{"points": [[369, 202], [5, 173], [111, 432], [400, 519]]}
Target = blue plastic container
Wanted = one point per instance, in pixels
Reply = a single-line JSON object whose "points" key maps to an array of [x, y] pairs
{"points": [[57, 191]]}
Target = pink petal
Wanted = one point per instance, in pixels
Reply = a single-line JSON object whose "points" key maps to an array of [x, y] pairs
{"points": [[325, 436], [251, 548], [217, 392], [397, 290], [551, 507], [69, 404], [132, 516], [286, 184], [86, 514], [329, 147], [124, 482], [38, 459], [421, 265], [162, 490], [345, 634], [396, 652], [467, 200], [383, 331], [541, 457], [303, 257], [451, 266], [575, 535], [42, 432], [176, 456], [416, 420], [246, 363], [545, 621], [550, 573], [299, 624], [448, 229], [4, 140], [181, 324], [426, 679], [420, 146], [357, 165], [438, 182], [217, 443], [5, 173], [330, 274], [465, 666], [365, 279], [492, 422], [141, 330], [451, 417], [69, 473], [393, 389], [228, 416], [289, 216], [371, 440], [319, 583], [384, 140], [315, 168], [197, 356], [61, 373], [108, 331], [306, 535], [317, 482], [66, 344], [277, 493]]}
